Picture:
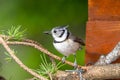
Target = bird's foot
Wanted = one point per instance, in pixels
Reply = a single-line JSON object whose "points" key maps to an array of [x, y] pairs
{"points": [[63, 59], [75, 64], [79, 72]]}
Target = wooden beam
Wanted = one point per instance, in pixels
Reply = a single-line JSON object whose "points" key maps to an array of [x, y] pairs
{"points": [[104, 10], [103, 28]]}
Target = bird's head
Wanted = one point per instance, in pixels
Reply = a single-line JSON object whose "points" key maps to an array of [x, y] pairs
{"points": [[59, 33]]}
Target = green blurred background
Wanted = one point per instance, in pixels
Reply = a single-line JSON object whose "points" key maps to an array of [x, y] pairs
{"points": [[38, 16]]}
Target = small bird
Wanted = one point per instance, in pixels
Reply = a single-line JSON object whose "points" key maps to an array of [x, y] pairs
{"points": [[65, 42]]}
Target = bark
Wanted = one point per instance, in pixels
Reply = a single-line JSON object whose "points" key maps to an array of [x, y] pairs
{"points": [[98, 72]]}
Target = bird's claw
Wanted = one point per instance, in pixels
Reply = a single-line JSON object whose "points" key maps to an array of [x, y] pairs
{"points": [[63, 59], [75, 64], [79, 72]]}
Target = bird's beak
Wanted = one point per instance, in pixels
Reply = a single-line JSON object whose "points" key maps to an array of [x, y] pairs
{"points": [[47, 32]]}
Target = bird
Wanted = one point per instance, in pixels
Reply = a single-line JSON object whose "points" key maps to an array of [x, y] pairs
{"points": [[65, 42]]}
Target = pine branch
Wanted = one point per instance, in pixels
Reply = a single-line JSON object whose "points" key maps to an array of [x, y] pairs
{"points": [[40, 48], [18, 61]]}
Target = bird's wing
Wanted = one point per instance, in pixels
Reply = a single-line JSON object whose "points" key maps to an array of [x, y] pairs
{"points": [[79, 40]]}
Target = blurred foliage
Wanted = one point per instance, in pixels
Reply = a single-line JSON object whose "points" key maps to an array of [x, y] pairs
{"points": [[38, 16], [8, 57]]}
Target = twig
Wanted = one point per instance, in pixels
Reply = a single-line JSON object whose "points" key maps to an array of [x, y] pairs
{"points": [[40, 48], [28, 42], [18, 61]]}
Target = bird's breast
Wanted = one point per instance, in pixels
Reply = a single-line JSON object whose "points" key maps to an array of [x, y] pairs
{"points": [[67, 47]]}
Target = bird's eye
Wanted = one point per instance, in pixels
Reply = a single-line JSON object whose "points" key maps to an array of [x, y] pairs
{"points": [[55, 31]]}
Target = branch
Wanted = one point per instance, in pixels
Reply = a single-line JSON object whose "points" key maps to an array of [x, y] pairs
{"points": [[40, 48], [110, 57], [18, 61], [111, 71]]}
